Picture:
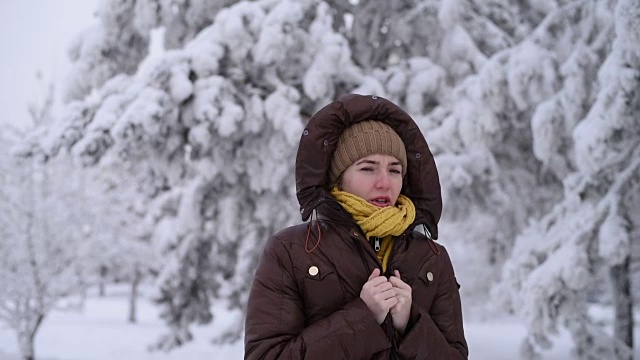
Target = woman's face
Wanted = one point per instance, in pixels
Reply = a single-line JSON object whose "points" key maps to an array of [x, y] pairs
{"points": [[375, 178]]}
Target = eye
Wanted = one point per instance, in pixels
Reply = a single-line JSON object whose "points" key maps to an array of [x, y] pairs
{"points": [[395, 171], [366, 168]]}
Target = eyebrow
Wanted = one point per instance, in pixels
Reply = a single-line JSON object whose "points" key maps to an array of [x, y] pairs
{"points": [[372, 162]]}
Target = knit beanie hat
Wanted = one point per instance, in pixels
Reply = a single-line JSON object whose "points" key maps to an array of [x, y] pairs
{"points": [[363, 139]]}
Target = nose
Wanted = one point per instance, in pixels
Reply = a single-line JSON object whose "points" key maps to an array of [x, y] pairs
{"points": [[382, 180]]}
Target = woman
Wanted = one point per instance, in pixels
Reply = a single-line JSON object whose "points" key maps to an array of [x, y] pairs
{"points": [[359, 282]]}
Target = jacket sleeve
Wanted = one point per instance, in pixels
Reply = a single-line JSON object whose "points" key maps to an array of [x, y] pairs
{"points": [[275, 322], [436, 332]]}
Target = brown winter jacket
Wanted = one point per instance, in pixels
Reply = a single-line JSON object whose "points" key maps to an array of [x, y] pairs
{"points": [[306, 304]]}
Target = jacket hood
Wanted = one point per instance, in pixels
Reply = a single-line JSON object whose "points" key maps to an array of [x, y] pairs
{"points": [[318, 141]]}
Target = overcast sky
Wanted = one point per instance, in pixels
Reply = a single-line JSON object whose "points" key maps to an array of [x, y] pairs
{"points": [[34, 36]]}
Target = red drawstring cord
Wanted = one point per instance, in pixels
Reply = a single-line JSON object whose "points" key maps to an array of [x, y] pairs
{"points": [[306, 242], [432, 244]]}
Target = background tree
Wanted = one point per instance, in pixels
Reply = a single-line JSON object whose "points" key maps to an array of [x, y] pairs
{"points": [[592, 229], [195, 126], [38, 258], [117, 246]]}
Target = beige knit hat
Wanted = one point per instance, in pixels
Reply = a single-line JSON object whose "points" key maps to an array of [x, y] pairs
{"points": [[363, 139]]}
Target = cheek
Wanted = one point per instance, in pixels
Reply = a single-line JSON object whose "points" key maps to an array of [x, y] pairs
{"points": [[351, 185], [397, 187], [359, 186]]}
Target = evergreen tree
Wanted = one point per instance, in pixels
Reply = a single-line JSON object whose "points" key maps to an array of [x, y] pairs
{"points": [[207, 132], [557, 257]]}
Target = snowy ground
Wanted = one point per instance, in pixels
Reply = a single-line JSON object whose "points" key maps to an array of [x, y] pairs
{"points": [[101, 332]]}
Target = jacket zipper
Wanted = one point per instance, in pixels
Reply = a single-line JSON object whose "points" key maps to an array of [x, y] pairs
{"points": [[389, 271], [375, 243]]}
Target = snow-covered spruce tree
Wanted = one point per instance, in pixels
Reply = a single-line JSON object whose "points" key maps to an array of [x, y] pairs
{"points": [[597, 153], [472, 89], [207, 133], [493, 183], [114, 46], [382, 32], [483, 126], [181, 21]]}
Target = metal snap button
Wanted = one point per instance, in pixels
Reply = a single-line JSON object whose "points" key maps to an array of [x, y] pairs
{"points": [[313, 271], [429, 276]]}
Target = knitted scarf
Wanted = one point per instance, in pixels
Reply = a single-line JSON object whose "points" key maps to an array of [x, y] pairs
{"points": [[381, 222]]}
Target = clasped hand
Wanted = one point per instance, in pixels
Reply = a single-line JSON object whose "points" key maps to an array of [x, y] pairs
{"points": [[384, 296]]}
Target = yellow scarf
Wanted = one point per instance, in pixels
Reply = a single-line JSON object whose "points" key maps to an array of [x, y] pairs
{"points": [[384, 223]]}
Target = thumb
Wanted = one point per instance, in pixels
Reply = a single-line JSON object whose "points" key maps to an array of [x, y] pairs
{"points": [[397, 274], [374, 274]]}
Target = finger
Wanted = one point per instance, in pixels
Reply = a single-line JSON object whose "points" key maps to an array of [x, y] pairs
{"points": [[390, 289], [373, 291], [390, 303], [378, 281], [374, 274], [397, 282], [396, 279], [402, 292], [386, 300], [385, 286]]}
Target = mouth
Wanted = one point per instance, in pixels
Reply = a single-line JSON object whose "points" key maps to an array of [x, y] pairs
{"points": [[381, 201]]}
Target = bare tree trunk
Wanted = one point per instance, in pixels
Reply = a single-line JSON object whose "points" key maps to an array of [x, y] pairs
{"points": [[26, 339], [103, 276], [26, 347], [133, 296], [623, 325], [34, 311]]}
